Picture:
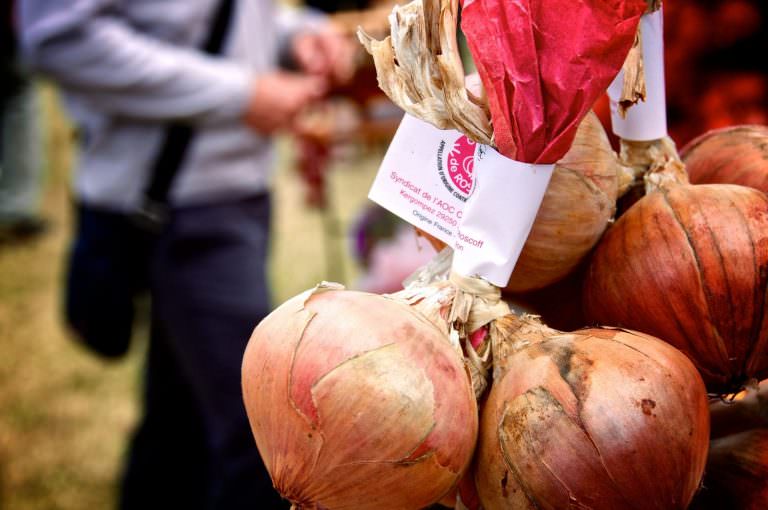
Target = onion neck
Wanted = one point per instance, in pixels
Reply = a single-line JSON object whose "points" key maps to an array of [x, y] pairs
{"points": [[626, 179], [514, 333], [459, 307], [656, 162], [477, 303]]}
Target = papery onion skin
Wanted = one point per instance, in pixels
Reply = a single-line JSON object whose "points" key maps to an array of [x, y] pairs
{"points": [[356, 401], [737, 473], [731, 155], [601, 419], [690, 265]]}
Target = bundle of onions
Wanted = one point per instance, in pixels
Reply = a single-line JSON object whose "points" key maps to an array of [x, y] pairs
{"points": [[578, 206], [597, 418], [689, 264], [732, 155], [357, 401], [736, 473]]}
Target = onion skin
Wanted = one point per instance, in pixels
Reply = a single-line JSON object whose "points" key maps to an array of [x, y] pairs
{"points": [[355, 401], [689, 264], [737, 473], [600, 419], [731, 155]]}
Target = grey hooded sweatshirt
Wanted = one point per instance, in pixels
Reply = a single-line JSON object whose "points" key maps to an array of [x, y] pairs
{"points": [[128, 67]]}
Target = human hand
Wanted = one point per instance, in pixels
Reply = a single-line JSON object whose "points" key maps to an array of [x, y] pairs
{"points": [[326, 52], [278, 97]]}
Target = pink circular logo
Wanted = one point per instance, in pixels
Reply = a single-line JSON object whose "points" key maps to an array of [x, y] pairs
{"points": [[461, 165]]}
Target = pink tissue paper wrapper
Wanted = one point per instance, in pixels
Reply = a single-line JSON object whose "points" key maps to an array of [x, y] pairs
{"points": [[544, 63]]}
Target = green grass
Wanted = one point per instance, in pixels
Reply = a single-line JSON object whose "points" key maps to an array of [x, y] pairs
{"points": [[65, 416]]}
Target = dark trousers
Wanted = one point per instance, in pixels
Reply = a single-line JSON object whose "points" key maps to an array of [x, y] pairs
{"points": [[193, 448]]}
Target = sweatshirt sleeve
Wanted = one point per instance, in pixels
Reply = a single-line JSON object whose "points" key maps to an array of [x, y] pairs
{"points": [[89, 49]]}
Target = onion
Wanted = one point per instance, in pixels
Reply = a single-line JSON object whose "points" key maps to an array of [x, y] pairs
{"points": [[748, 410], [732, 155], [579, 203], [357, 401], [737, 473], [689, 264], [597, 418]]}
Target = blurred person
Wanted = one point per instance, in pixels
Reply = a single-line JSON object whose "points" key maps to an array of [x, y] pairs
{"points": [[21, 166], [127, 70]]}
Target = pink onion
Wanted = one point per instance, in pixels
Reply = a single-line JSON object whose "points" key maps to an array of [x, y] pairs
{"points": [[603, 419], [357, 401], [732, 155]]}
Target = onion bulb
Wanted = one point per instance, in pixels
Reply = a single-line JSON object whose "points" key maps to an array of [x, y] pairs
{"points": [[737, 473], [732, 155], [689, 264], [597, 418], [579, 204], [577, 207], [357, 401]]}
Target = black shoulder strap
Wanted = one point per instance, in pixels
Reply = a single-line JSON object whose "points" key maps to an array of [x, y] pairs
{"points": [[153, 211]]}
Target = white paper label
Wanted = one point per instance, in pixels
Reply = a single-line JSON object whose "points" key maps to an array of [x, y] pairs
{"points": [[646, 120], [467, 195]]}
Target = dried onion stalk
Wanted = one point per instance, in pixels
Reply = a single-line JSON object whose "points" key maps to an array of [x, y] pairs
{"points": [[419, 68], [656, 159], [634, 86], [464, 309]]}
